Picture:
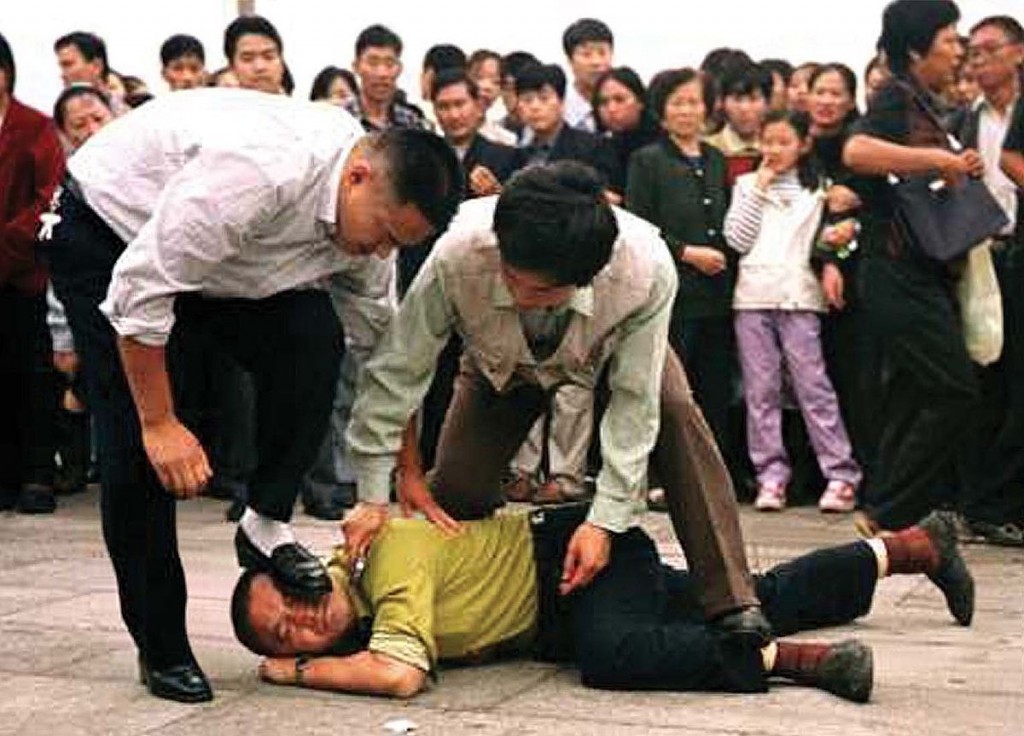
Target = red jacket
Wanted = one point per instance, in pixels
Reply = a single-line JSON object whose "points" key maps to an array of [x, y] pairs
{"points": [[31, 166]]}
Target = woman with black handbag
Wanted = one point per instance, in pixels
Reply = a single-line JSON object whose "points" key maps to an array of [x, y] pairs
{"points": [[909, 296]]}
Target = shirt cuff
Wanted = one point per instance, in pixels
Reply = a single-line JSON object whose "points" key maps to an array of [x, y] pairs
{"points": [[373, 477], [613, 514], [404, 648]]}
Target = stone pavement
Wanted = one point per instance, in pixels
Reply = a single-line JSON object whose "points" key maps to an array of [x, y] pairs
{"points": [[68, 666]]}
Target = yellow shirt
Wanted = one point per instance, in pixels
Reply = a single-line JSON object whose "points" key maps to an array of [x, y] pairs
{"points": [[433, 598]]}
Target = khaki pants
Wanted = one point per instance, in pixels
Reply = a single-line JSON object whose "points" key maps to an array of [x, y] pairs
{"points": [[483, 430]]}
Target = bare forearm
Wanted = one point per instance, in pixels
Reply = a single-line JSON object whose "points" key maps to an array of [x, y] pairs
{"points": [[409, 458], [368, 673], [1012, 164], [145, 367], [873, 156]]}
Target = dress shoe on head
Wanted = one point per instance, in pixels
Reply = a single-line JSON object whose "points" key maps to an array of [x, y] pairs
{"points": [[294, 568], [847, 670], [744, 625], [183, 683], [35, 498], [951, 576]]}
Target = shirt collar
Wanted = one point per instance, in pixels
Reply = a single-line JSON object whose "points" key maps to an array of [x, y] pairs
{"points": [[582, 300], [327, 207]]}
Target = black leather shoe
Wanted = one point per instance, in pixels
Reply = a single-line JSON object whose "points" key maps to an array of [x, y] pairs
{"points": [[294, 568], [36, 499], [235, 510], [952, 576], [847, 671], [183, 683], [746, 625]]}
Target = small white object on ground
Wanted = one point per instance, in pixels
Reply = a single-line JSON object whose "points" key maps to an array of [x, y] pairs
{"points": [[400, 725]]}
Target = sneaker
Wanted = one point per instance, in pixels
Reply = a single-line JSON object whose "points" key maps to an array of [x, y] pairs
{"points": [[1002, 535], [952, 576], [770, 497], [838, 498], [847, 671], [36, 499], [520, 487]]}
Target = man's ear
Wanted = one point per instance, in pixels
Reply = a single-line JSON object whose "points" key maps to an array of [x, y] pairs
{"points": [[360, 170]]}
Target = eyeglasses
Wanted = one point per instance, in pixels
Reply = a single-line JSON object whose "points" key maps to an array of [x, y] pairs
{"points": [[976, 53]]}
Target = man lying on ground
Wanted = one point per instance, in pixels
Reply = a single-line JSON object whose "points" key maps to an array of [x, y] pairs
{"points": [[423, 598]]}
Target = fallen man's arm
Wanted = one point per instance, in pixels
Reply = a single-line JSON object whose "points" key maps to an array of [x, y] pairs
{"points": [[366, 673]]}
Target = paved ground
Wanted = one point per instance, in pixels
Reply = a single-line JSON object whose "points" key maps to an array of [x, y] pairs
{"points": [[68, 667]]}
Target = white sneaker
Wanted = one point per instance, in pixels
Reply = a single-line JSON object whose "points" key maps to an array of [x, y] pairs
{"points": [[770, 497], [838, 498]]}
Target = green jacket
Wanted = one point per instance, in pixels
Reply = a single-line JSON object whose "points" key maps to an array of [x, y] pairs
{"points": [[689, 206]]}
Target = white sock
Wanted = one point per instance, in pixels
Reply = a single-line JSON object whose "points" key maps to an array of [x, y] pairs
{"points": [[881, 555], [768, 656], [266, 534]]}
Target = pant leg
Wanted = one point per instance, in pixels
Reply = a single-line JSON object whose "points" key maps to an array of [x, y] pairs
{"points": [[481, 432], [930, 389], [761, 364], [703, 347], [291, 343], [138, 515], [332, 466], [800, 336], [700, 497], [572, 417], [627, 637], [529, 457]]}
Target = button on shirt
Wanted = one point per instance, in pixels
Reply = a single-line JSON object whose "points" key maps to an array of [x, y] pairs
{"points": [[226, 193]]}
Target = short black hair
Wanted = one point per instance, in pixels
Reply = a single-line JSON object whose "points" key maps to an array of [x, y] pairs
{"points": [[478, 57], [719, 61], [444, 56], [553, 220], [89, 45], [586, 30], [533, 77], [180, 45], [911, 26], [7, 63], [1010, 27], [378, 36], [245, 25], [72, 92], [513, 63], [778, 66], [665, 84], [325, 78], [424, 171], [451, 77], [746, 79], [240, 619]]}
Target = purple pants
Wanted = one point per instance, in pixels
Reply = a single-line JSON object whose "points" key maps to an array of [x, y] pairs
{"points": [[769, 339]]}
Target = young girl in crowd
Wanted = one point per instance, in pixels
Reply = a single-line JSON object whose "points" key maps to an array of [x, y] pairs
{"points": [[773, 222]]}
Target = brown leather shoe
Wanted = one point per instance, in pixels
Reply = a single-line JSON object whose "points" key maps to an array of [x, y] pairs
{"points": [[520, 488]]}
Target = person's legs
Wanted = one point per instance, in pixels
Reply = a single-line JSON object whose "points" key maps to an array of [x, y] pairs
{"points": [[761, 363], [800, 337], [700, 497], [482, 431], [572, 417], [138, 515], [914, 311]]}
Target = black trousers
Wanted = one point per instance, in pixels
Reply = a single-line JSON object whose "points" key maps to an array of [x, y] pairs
{"points": [[639, 625], [28, 392], [929, 392], [291, 342]]}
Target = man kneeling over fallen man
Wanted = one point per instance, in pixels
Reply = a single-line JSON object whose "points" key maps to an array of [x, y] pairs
{"points": [[493, 590]]}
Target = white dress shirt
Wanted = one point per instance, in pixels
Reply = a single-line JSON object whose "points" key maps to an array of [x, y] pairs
{"points": [[578, 112], [992, 127], [226, 193]]}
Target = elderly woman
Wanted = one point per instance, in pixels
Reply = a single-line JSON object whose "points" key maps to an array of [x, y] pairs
{"points": [[910, 298]]}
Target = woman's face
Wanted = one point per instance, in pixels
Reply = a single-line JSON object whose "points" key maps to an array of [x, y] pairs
{"points": [[339, 93], [83, 116], [487, 75], [936, 70], [617, 106], [685, 111], [830, 101]]}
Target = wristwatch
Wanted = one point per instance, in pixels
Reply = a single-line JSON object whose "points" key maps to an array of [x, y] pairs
{"points": [[301, 663]]}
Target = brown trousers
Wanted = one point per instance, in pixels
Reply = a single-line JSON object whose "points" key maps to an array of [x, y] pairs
{"points": [[483, 429]]}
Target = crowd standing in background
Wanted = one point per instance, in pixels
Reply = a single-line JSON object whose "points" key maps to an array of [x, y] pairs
{"points": [[824, 348]]}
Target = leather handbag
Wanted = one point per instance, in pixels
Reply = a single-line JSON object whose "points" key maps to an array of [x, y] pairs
{"points": [[945, 220]]}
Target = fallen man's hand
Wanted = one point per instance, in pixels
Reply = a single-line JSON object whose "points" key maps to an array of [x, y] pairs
{"points": [[279, 670], [587, 555]]}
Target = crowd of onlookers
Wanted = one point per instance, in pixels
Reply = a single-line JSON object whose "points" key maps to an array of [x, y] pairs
{"points": [[821, 349]]}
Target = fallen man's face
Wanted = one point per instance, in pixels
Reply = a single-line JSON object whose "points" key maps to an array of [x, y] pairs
{"points": [[289, 626]]}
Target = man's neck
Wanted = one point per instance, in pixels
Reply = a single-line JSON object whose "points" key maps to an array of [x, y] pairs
{"points": [[374, 111], [999, 99], [462, 142], [586, 91], [546, 138], [5, 104]]}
